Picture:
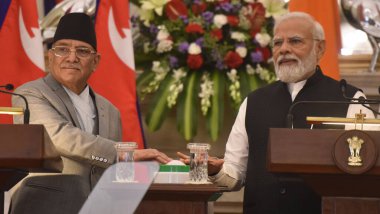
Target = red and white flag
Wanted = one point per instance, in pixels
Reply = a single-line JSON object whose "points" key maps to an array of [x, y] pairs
{"points": [[115, 77], [21, 56]]}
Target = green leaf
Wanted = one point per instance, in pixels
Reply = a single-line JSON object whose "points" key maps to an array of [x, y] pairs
{"points": [[187, 107], [248, 83], [215, 115], [159, 108], [254, 82], [245, 87], [144, 79]]}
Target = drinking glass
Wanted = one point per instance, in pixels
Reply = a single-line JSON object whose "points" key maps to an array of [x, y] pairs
{"points": [[125, 170], [198, 162]]}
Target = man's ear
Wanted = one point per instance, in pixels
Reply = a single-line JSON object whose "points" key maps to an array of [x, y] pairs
{"points": [[321, 48], [96, 62], [50, 58]]}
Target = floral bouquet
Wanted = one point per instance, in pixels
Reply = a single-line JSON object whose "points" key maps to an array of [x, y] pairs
{"points": [[192, 52]]}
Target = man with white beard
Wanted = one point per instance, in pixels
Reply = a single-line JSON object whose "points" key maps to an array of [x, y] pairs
{"points": [[298, 45]]}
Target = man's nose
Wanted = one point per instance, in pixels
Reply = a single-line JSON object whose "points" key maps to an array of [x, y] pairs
{"points": [[285, 47], [72, 57]]}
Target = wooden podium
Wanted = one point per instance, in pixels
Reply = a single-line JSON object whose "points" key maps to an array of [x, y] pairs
{"points": [[22, 150], [179, 198], [321, 158]]}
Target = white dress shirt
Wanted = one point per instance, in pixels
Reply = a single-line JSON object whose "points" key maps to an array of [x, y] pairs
{"points": [[84, 108], [234, 168]]}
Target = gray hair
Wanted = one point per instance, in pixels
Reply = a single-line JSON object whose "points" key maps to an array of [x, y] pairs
{"points": [[318, 32]]}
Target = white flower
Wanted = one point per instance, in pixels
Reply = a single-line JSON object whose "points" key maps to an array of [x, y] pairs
{"points": [[156, 5], [250, 70], [238, 36], [178, 73], [207, 90], [242, 51], [164, 46], [274, 8], [162, 33], [220, 20], [232, 75], [263, 39], [157, 68], [194, 49]]}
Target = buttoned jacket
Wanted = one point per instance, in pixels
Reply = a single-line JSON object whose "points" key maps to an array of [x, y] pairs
{"points": [[81, 153]]}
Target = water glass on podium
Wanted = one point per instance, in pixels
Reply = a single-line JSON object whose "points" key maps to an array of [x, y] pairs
{"points": [[198, 162], [125, 171]]}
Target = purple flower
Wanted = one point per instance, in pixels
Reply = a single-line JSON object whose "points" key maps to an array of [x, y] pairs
{"points": [[219, 65], [153, 29], [184, 19], [226, 7], [197, 1], [173, 61], [208, 16], [256, 57], [199, 41], [183, 47], [236, 8]]}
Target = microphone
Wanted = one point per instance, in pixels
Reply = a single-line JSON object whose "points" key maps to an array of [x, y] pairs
{"points": [[343, 84], [362, 100], [8, 87], [26, 111], [290, 116]]}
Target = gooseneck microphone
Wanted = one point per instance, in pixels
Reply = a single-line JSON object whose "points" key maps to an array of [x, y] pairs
{"points": [[362, 100], [10, 87], [343, 84], [290, 116]]}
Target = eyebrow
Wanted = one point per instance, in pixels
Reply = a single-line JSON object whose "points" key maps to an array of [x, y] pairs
{"points": [[293, 36]]}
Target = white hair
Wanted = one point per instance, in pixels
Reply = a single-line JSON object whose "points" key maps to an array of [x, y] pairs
{"points": [[318, 32]]}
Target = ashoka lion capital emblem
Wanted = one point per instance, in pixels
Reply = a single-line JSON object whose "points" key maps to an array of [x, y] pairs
{"points": [[355, 144]]}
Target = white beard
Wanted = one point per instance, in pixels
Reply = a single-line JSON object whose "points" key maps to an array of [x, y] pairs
{"points": [[298, 72]]}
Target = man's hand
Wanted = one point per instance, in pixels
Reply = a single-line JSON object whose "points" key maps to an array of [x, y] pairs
{"points": [[150, 154], [214, 164]]}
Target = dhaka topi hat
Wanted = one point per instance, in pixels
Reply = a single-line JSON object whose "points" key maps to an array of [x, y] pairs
{"points": [[76, 26]]}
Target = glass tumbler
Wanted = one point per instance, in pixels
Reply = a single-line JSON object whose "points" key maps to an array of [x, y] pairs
{"points": [[125, 171], [198, 162]]}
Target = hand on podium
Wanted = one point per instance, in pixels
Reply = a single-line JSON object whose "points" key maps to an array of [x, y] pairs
{"points": [[214, 164]]}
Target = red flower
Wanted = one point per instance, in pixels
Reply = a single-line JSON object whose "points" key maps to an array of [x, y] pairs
{"points": [[175, 9], [198, 8], [253, 33], [194, 28], [217, 34], [194, 61], [265, 51], [232, 59], [233, 20], [257, 17]]}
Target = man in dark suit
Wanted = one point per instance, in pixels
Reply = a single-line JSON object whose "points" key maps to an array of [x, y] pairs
{"points": [[82, 125]]}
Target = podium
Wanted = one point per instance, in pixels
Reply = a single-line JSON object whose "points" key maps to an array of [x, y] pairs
{"points": [[179, 198], [22, 150], [321, 158]]}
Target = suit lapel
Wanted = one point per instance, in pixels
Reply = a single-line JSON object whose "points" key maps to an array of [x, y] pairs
{"points": [[61, 93], [102, 115]]}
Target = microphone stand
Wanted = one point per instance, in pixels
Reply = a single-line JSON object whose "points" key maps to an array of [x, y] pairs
{"points": [[26, 111], [362, 100], [289, 121]]}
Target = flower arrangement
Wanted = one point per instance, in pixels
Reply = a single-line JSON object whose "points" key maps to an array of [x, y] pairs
{"points": [[192, 52]]}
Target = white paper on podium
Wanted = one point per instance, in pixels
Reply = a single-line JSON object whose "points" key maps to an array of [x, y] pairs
{"points": [[111, 196]]}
